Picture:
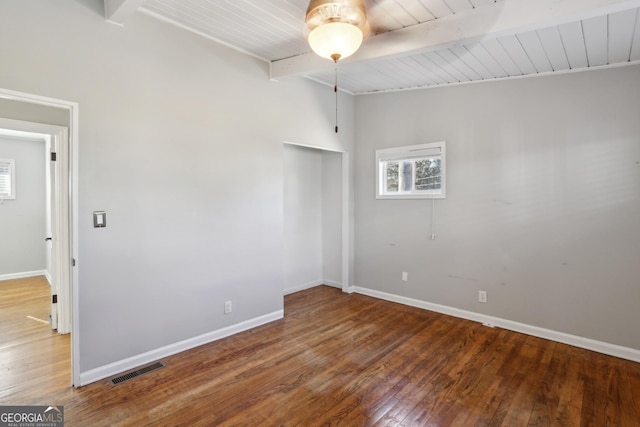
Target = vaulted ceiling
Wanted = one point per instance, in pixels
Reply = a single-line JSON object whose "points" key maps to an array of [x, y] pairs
{"points": [[418, 43]]}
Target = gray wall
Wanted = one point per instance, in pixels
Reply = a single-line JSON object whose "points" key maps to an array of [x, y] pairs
{"points": [[302, 217], [181, 144], [542, 207], [332, 218], [22, 220], [312, 217]]}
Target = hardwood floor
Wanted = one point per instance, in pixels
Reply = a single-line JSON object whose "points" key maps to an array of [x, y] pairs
{"points": [[33, 357], [335, 359]]}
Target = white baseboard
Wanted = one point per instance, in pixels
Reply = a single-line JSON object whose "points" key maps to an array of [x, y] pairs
{"points": [[48, 276], [332, 283], [129, 363], [302, 287], [312, 284], [574, 340], [23, 275]]}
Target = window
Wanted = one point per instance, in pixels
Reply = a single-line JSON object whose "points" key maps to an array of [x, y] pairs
{"points": [[7, 179], [412, 172]]}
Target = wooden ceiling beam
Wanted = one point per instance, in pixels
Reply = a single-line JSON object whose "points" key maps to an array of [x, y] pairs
{"points": [[117, 11]]}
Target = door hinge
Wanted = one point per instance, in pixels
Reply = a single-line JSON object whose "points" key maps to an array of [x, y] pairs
{"points": [[53, 157], [54, 299], [73, 262]]}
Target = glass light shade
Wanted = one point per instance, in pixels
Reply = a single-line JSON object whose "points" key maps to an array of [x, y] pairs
{"points": [[335, 40]]}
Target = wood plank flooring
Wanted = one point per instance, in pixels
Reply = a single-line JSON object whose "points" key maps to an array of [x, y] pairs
{"points": [[33, 357], [335, 359]]}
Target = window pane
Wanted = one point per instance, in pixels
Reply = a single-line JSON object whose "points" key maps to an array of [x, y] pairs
{"points": [[5, 179], [392, 177], [5, 185], [407, 176], [411, 172], [428, 175]]}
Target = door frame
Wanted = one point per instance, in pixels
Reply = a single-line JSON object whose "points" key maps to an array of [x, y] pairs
{"points": [[68, 220], [345, 214]]}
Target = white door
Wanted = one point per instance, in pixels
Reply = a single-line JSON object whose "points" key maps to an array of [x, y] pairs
{"points": [[61, 248], [53, 237], [61, 259]]}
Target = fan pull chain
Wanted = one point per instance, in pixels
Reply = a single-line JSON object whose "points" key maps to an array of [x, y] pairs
{"points": [[335, 89]]}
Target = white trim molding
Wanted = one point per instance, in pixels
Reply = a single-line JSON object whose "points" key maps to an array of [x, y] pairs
{"points": [[561, 337], [332, 283], [312, 284], [129, 363], [23, 275]]}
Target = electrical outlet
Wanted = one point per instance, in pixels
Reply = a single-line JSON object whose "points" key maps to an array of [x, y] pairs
{"points": [[482, 296], [405, 276], [227, 307]]}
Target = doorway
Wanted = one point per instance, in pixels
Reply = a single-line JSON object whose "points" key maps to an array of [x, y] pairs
{"points": [[43, 203], [316, 218], [20, 108]]}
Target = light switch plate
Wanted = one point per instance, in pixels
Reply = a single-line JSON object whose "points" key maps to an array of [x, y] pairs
{"points": [[99, 219]]}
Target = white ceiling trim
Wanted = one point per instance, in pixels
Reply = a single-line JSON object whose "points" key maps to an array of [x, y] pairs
{"points": [[464, 27]]}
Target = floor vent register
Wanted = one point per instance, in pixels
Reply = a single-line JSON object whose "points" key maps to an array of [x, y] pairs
{"points": [[134, 374]]}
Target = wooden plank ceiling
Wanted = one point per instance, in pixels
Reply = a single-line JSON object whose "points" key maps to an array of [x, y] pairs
{"points": [[422, 43]]}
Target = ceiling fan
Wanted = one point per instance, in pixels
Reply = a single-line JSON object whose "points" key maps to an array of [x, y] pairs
{"points": [[337, 27], [337, 30]]}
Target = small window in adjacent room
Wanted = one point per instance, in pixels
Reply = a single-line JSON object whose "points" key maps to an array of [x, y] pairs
{"points": [[7, 179], [412, 172]]}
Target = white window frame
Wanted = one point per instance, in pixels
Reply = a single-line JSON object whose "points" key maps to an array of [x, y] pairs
{"points": [[410, 153], [10, 165]]}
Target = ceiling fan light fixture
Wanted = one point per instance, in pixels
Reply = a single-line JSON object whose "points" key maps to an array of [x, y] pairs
{"points": [[335, 40], [337, 27]]}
